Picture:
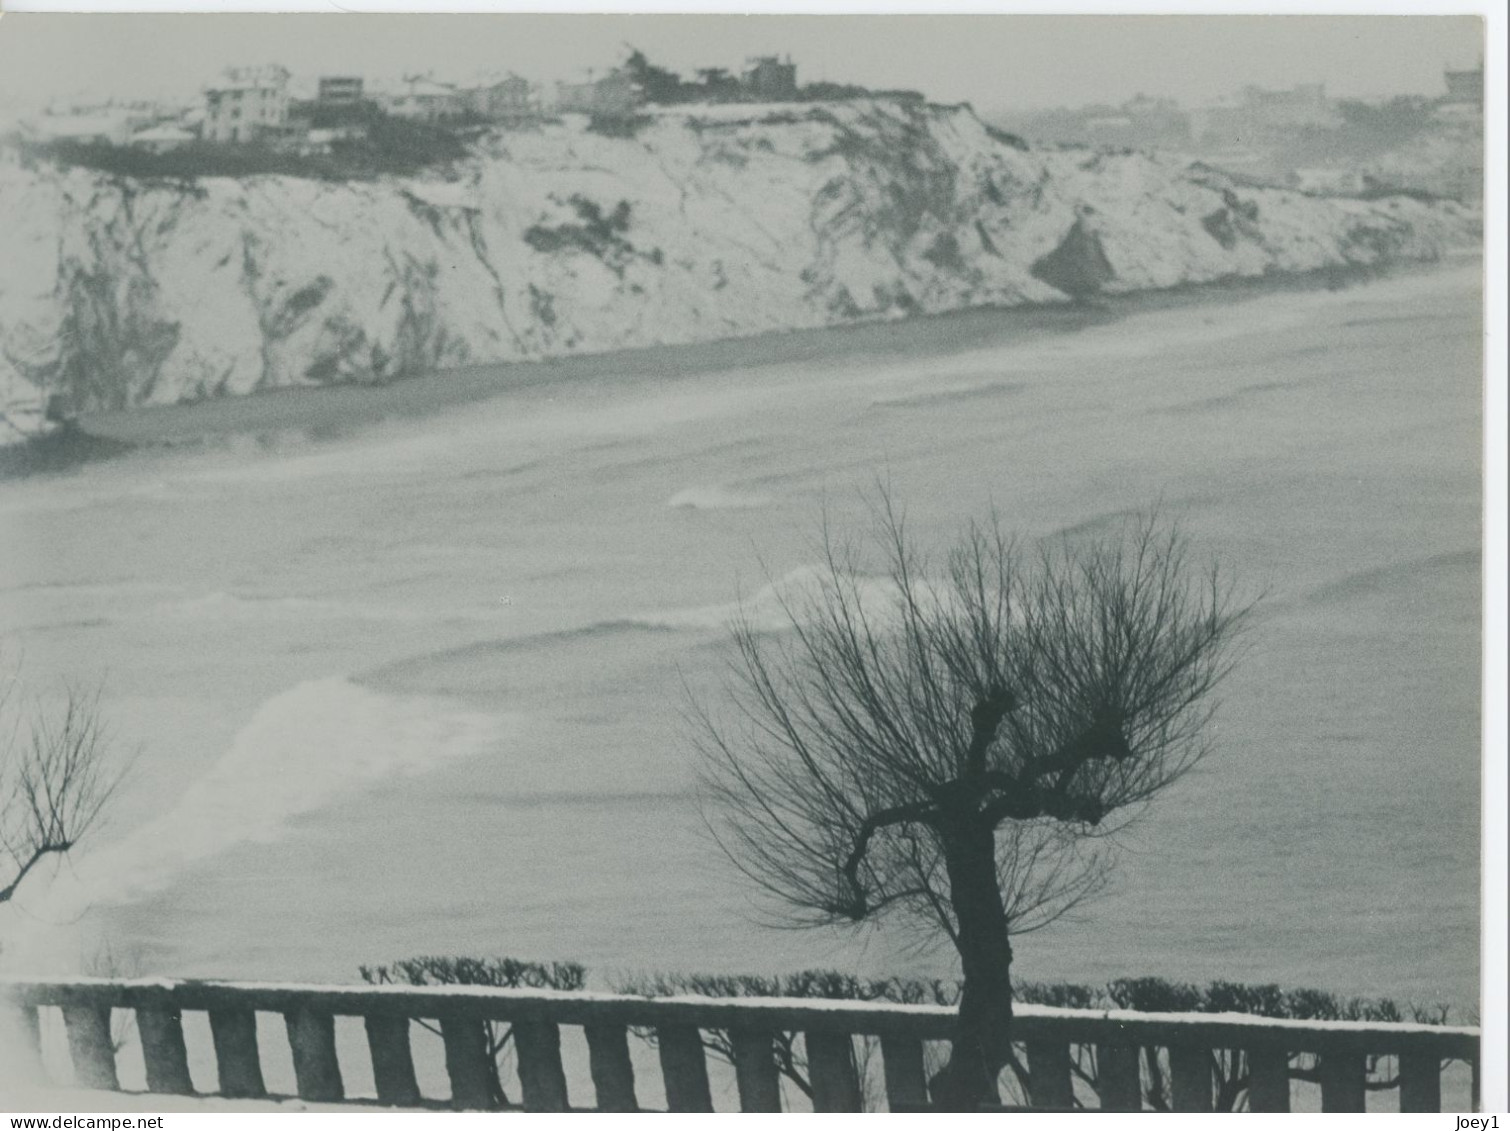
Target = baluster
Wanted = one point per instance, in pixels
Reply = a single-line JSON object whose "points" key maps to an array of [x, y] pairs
{"points": [[468, 1064], [906, 1080], [541, 1076], [90, 1047], [167, 1060], [1420, 1080], [1119, 1081], [1268, 1080], [1049, 1075], [1190, 1077], [832, 1071], [612, 1071], [21, 1037], [1342, 1081], [312, 1040], [755, 1070], [392, 1060], [234, 1032], [684, 1068]]}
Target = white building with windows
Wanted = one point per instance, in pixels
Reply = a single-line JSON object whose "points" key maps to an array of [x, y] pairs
{"points": [[423, 99], [248, 103]]}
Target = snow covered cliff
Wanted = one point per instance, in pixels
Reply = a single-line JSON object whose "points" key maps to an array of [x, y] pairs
{"points": [[709, 222]]}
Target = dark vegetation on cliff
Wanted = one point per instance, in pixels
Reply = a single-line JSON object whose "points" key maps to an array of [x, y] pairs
{"points": [[596, 233], [1078, 266], [663, 87], [392, 146]]}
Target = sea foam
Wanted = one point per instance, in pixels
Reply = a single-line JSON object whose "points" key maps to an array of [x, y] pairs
{"points": [[771, 608], [715, 498], [303, 750]]}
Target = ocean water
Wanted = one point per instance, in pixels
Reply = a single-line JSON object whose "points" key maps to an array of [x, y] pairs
{"points": [[418, 689]]}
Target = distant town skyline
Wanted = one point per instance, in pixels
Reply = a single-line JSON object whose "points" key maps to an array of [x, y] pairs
{"points": [[997, 62]]}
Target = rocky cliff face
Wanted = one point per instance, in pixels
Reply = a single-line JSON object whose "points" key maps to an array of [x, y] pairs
{"points": [[710, 222]]}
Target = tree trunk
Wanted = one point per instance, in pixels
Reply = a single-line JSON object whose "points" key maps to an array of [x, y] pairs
{"points": [[982, 1041]]}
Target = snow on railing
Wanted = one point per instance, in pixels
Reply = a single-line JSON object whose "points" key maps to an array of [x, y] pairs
{"points": [[1123, 1060]]}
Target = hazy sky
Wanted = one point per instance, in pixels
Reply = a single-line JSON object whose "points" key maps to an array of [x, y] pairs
{"points": [[996, 62]]}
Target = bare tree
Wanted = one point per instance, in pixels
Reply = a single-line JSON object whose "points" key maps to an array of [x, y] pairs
{"points": [[957, 745], [55, 779]]}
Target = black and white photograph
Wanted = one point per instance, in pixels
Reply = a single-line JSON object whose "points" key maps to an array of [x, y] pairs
{"points": [[826, 561]]}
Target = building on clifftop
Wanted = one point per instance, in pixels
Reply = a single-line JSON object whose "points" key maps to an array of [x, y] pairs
{"points": [[248, 104], [1465, 86], [423, 99], [339, 90], [616, 94], [770, 79], [506, 99]]}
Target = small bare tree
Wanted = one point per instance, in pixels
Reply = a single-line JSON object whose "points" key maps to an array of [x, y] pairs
{"points": [[55, 779], [957, 746]]}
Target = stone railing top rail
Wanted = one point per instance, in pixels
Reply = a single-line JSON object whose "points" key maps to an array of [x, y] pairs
{"points": [[1212, 1030]]}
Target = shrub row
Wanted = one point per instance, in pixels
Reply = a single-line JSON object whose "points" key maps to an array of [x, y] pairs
{"points": [[1145, 995], [506, 973]]}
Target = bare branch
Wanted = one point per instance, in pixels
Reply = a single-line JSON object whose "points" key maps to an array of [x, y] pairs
{"points": [[896, 815], [56, 778]]}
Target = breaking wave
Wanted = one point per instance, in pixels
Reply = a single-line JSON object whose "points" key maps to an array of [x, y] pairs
{"points": [[304, 749], [1462, 564], [474, 667], [220, 605], [765, 610], [716, 498], [951, 395]]}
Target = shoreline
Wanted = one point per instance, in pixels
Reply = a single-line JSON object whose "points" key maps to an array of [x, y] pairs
{"points": [[1345, 464], [318, 413]]}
